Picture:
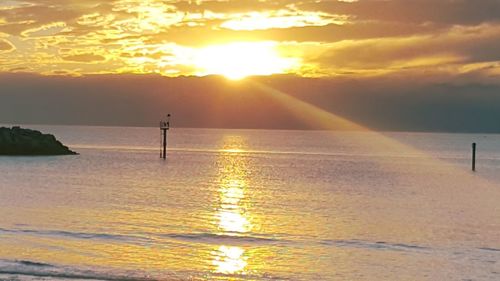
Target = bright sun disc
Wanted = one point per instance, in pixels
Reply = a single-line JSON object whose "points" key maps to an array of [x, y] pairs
{"points": [[239, 60]]}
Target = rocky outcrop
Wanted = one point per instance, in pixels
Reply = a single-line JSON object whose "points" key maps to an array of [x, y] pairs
{"points": [[19, 141]]}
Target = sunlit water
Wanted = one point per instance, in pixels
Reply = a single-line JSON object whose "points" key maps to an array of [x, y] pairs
{"points": [[251, 205]]}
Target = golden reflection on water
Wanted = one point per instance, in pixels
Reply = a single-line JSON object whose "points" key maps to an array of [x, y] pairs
{"points": [[232, 217], [229, 259]]}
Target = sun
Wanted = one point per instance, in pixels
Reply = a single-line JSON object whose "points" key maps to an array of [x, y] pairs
{"points": [[238, 60]]}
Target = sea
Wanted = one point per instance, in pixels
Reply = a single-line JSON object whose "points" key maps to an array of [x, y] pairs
{"points": [[252, 205]]}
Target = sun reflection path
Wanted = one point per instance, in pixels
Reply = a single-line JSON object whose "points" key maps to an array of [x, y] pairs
{"points": [[231, 216], [229, 260]]}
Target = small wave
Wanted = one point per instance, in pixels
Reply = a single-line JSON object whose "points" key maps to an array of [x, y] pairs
{"points": [[31, 263], [207, 238], [489, 249], [78, 235], [210, 238], [379, 245], [32, 269]]}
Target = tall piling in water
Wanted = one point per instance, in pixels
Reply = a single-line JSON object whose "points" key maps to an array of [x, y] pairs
{"points": [[474, 157], [164, 127]]}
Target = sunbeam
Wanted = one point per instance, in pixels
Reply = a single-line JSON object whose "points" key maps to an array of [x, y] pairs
{"points": [[377, 143]]}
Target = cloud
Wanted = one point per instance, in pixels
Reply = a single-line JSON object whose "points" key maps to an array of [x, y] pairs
{"points": [[456, 47], [437, 102], [376, 59], [6, 46], [44, 30], [87, 58], [280, 19], [453, 12], [35, 16], [330, 37]]}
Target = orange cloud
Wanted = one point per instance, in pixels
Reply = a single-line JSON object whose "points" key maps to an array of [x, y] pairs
{"points": [[84, 58], [6, 46], [329, 38]]}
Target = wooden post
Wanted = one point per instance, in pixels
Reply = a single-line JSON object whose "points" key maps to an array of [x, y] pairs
{"points": [[164, 150], [164, 126], [474, 157]]}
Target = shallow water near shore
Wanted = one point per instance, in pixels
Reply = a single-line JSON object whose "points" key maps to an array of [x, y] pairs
{"points": [[252, 205]]}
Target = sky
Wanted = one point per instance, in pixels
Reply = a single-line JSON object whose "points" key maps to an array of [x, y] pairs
{"points": [[402, 56]]}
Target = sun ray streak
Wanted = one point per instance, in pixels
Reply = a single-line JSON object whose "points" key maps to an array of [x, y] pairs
{"points": [[377, 143]]}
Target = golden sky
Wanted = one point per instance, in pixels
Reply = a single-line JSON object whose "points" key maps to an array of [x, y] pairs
{"points": [[237, 38]]}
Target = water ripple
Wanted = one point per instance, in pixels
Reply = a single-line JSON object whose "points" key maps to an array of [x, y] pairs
{"points": [[210, 238], [202, 237], [35, 270], [489, 249], [78, 235], [379, 245]]}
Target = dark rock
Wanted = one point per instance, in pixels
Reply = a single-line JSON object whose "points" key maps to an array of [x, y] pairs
{"points": [[19, 141]]}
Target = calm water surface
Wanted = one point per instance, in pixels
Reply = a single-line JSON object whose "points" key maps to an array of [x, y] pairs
{"points": [[252, 205]]}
